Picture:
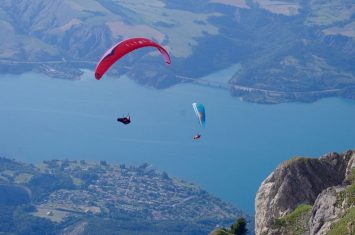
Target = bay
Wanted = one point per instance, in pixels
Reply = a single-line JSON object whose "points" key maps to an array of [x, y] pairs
{"points": [[43, 118]]}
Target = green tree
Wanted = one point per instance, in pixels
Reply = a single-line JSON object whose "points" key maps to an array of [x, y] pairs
{"points": [[239, 227]]}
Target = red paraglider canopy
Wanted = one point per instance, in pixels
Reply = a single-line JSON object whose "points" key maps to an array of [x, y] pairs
{"points": [[121, 49]]}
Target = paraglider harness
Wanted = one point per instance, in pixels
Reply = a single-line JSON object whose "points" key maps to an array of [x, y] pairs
{"points": [[125, 120], [196, 137]]}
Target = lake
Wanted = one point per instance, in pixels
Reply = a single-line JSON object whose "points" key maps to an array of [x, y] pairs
{"points": [[43, 118]]}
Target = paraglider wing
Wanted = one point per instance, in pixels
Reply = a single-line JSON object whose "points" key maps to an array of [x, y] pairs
{"points": [[121, 49], [200, 113]]}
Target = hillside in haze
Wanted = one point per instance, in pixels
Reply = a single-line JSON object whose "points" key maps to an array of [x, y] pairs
{"points": [[82, 197], [290, 50]]}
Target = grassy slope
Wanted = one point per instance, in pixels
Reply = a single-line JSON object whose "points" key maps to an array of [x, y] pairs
{"points": [[295, 221]]}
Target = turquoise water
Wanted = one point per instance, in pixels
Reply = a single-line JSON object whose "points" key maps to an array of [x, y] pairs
{"points": [[43, 118]]}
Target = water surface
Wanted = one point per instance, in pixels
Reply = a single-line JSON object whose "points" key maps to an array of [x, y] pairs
{"points": [[43, 118]]}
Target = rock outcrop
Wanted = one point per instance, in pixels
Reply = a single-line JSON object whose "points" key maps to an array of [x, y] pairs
{"points": [[299, 181], [325, 210]]}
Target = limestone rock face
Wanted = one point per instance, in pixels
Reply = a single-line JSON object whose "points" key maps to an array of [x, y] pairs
{"points": [[301, 181], [325, 211], [349, 169], [330, 205]]}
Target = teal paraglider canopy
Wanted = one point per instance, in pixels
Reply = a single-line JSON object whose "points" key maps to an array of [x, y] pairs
{"points": [[200, 113]]}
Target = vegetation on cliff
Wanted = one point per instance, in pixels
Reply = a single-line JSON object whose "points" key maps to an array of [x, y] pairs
{"points": [[295, 221], [238, 228]]}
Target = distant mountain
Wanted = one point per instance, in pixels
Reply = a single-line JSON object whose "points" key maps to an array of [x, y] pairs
{"points": [[303, 50], [308, 196], [81, 197], [289, 50]]}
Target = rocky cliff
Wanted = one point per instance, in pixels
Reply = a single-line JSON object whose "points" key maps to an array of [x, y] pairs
{"points": [[308, 196]]}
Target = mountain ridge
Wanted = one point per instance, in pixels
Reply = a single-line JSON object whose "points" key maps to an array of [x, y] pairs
{"points": [[288, 50]]}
